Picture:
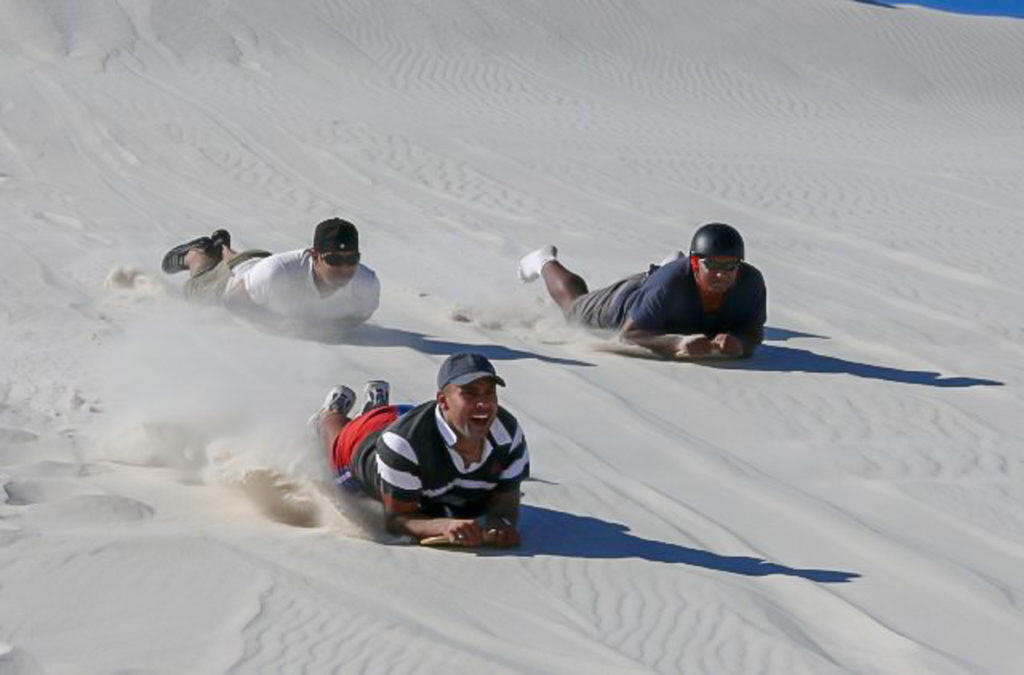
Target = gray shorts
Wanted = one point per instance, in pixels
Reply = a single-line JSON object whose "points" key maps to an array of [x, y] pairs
{"points": [[207, 287], [603, 308]]}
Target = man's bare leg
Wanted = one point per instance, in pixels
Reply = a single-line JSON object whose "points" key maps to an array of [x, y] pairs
{"points": [[331, 424], [198, 261], [563, 286]]}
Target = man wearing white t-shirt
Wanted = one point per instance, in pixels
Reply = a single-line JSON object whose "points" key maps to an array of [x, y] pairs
{"points": [[320, 288]]}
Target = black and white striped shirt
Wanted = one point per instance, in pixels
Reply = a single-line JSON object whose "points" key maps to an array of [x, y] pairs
{"points": [[416, 462]]}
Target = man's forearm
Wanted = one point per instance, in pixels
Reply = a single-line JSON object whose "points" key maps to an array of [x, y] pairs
{"points": [[750, 343], [502, 509], [502, 515], [417, 525], [665, 345]]}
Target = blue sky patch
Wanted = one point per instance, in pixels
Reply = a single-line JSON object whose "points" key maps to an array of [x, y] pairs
{"points": [[1014, 8]]}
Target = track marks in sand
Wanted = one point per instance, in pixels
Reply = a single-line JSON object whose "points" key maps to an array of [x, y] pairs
{"points": [[676, 607], [764, 513], [305, 626], [140, 287], [156, 443], [253, 166], [30, 491], [673, 623], [17, 661], [65, 595], [15, 437], [280, 499], [994, 507], [438, 61], [418, 173], [86, 510], [846, 415], [57, 495]]}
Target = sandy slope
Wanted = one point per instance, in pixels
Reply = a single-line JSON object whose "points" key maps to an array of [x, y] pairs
{"points": [[848, 501]]}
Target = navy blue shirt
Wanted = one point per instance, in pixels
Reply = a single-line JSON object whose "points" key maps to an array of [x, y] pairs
{"points": [[668, 302]]}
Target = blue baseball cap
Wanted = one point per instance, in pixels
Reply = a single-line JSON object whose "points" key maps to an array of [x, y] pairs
{"points": [[460, 369]]}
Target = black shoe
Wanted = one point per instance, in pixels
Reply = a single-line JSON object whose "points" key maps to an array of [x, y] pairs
{"points": [[213, 246], [174, 260], [221, 239]]}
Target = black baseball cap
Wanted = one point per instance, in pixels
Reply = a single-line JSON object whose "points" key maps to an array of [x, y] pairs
{"points": [[460, 369], [335, 235]]}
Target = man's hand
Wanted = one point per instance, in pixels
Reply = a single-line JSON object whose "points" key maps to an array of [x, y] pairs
{"points": [[727, 345], [693, 346], [463, 533], [502, 537]]}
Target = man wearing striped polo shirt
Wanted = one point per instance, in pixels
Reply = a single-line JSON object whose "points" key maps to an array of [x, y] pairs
{"points": [[440, 466]]}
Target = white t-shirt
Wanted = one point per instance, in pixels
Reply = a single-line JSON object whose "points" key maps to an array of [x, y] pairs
{"points": [[283, 283]]}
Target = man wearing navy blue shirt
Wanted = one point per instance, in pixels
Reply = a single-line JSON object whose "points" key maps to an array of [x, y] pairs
{"points": [[708, 304]]}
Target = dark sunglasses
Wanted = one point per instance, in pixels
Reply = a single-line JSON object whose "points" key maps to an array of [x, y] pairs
{"points": [[721, 265], [341, 259]]}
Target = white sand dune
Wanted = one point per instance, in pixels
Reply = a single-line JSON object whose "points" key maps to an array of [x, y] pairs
{"points": [[850, 500]]}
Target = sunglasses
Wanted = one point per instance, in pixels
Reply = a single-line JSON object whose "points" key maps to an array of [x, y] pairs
{"points": [[340, 259], [721, 265]]}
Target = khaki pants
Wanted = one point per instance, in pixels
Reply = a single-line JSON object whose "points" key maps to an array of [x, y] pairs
{"points": [[207, 287]]}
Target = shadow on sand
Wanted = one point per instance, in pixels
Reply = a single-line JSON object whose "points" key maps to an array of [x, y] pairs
{"points": [[793, 360], [782, 334], [556, 533], [380, 336]]}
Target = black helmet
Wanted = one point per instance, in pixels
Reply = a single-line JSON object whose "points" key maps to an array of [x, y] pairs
{"points": [[716, 239]]}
